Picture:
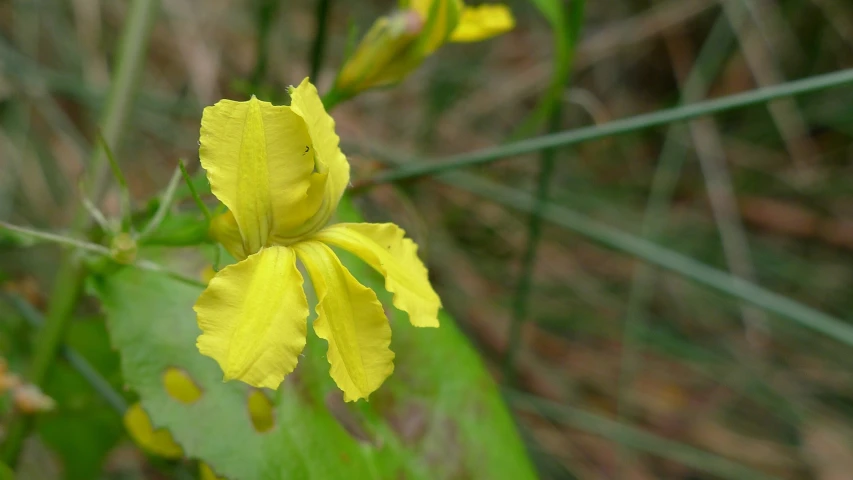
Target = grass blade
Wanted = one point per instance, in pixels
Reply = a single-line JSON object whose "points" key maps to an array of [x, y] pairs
{"points": [[414, 169]]}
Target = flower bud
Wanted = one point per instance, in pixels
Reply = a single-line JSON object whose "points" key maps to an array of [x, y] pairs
{"points": [[123, 249], [388, 53]]}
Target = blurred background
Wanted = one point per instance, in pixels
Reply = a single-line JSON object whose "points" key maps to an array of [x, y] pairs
{"points": [[611, 367]]}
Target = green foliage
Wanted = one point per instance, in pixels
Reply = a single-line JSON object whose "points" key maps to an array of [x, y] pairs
{"points": [[438, 416]]}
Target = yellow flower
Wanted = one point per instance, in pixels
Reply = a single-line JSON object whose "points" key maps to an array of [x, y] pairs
{"points": [[280, 172], [396, 44]]}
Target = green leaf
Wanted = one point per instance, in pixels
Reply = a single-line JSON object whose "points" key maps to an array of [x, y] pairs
{"points": [[84, 429], [6, 473], [180, 229], [438, 416]]}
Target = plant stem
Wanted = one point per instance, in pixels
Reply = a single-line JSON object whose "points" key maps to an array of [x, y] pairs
{"points": [[528, 259], [318, 49], [69, 278], [707, 66], [266, 11], [415, 169], [165, 204], [77, 361]]}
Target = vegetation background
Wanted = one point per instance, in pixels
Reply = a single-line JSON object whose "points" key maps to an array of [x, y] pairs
{"points": [[613, 367]]}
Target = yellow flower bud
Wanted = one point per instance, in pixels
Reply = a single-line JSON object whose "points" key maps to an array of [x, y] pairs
{"points": [[397, 44], [385, 56]]}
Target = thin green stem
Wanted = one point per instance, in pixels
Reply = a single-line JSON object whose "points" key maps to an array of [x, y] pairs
{"points": [[318, 48], [69, 278], [523, 288], [566, 25], [709, 62], [659, 256], [58, 239], [95, 248], [198, 201], [266, 12], [415, 169], [77, 361], [124, 191], [165, 204]]}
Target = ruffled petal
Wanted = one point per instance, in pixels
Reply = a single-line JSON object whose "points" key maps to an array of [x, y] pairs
{"points": [[252, 149], [482, 22], [351, 319], [330, 161], [253, 318], [383, 247]]}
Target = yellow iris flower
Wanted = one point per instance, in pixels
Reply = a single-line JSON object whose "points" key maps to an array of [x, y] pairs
{"points": [[396, 44], [280, 172]]}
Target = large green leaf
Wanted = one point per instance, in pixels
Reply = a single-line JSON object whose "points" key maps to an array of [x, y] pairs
{"points": [[438, 416]]}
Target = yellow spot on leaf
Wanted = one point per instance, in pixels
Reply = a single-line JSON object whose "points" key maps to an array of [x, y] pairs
{"points": [[260, 411], [180, 386], [155, 441]]}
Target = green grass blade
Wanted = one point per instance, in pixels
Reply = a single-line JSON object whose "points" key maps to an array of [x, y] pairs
{"points": [[638, 439], [655, 254], [618, 127]]}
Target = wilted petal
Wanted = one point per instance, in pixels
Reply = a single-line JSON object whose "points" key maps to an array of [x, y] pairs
{"points": [[260, 165], [383, 247], [482, 22], [351, 319], [253, 318]]}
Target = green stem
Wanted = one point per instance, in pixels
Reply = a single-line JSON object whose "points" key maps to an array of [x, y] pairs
{"points": [[709, 62], [566, 25], [415, 169], [69, 278], [264, 16], [528, 260], [165, 204], [78, 362], [319, 46], [193, 192]]}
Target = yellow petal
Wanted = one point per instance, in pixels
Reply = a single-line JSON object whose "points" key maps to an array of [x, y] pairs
{"points": [[306, 103], [383, 247], [252, 149], [158, 442], [482, 22], [351, 319], [253, 318], [224, 229]]}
